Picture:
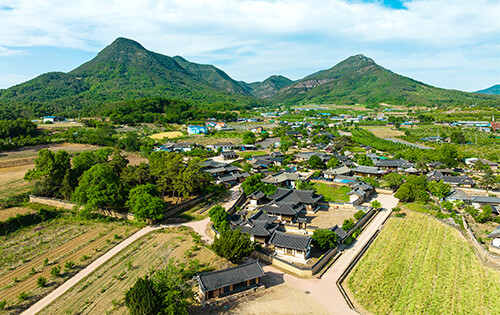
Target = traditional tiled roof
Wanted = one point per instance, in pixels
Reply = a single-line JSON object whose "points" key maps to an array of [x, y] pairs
{"points": [[293, 241], [342, 170], [368, 170], [488, 200], [495, 233], [257, 195], [282, 208], [340, 233], [295, 196], [258, 227], [399, 163], [282, 177], [214, 280]]}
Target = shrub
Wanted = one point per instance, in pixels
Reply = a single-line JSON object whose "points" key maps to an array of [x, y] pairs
{"points": [[233, 245], [45, 261], [325, 239], [55, 271], [3, 303], [69, 265], [41, 281], [23, 296], [347, 224], [358, 215]]}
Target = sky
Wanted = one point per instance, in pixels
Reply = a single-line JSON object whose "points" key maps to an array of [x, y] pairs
{"points": [[452, 44]]}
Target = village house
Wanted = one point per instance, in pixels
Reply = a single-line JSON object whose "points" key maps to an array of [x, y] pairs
{"points": [[260, 226], [360, 192], [224, 282], [308, 198], [463, 181], [334, 172], [368, 171], [284, 178], [51, 119], [291, 247], [495, 244], [225, 146], [305, 156], [394, 164], [473, 161], [229, 155], [196, 130], [257, 198], [287, 213]]}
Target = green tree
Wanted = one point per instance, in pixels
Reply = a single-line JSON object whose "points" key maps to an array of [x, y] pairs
{"points": [[50, 169], [415, 188], [142, 298], [82, 162], [304, 185], [41, 282], [333, 162], [118, 161], [359, 214], [376, 204], [485, 214], [233, 245], [488, 180], [393, 179], [316, 163], [448, 154], [219, 216], [165, 166], [325, 239], [362, 159], [439, 189], [144, 202], [248, 138], [99, 187], [254, 183], [134, 175], [458, 137], [348, 224], [55, 271]]}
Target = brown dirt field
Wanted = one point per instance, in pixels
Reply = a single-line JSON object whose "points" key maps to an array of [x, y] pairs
{"points": [[385, 132], [166, 135], [104, 290], [277, 298], [12, 182], [27, 155], [135, 159], [325, 219], [12, 212], [59, 125], [93, 242]]}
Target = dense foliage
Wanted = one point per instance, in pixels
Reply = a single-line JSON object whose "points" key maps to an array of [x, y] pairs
{"points": [[219, 216], [325, 239], [254, 183], [233, 245]]}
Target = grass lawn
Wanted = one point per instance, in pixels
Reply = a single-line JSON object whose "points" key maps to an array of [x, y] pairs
{"points": [[331, 193], [418, 265]]}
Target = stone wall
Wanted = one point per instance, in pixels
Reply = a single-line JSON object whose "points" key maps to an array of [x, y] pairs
{"points": [[483, 254]]}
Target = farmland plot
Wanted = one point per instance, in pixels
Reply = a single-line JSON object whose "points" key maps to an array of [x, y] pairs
{"points": [[30, 253], [103, 291], [418, 265]]}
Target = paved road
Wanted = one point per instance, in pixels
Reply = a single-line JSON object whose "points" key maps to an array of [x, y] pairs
{"points": [[198, 226], [325, 290]]}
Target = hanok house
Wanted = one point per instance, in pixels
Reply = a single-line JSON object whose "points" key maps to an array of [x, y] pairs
{"points": [[368, 171], [284, 179], [463, 181], [291, 246], [229, 155], [257, 198], [394, 164], [334, 172], [224, 282], [308, 198], [259, 226], [495, 244], [286, 212]]}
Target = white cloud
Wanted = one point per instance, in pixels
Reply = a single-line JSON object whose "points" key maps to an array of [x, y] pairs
{"points": [[270, 36]]}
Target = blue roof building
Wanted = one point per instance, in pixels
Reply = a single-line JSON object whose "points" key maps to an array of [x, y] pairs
{"points": [[196, 130]]}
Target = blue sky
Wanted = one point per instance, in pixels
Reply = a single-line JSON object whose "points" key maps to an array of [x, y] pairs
{"points": [[451, 44]]}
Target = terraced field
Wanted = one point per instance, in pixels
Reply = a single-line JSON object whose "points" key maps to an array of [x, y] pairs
{"points": [[32, 252], [104, 290], [418, 265]]}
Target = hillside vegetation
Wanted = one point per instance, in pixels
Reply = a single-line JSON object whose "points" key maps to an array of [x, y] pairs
{"points": [[359, 80], [418, 265]]}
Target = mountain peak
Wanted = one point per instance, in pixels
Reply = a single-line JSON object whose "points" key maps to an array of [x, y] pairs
{"points": [[122, 42]]}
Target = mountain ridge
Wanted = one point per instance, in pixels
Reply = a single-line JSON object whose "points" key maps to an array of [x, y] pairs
{"points": [[492, 90]]}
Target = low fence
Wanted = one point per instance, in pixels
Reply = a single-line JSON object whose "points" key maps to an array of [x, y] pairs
{"points": [[185, 205], [298, 270], [58, 203], [384, 191], [486, 256], [241, 200], [361, 222]]}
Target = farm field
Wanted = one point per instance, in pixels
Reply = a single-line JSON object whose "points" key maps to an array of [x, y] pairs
{"points": [[104, 290], [12, 212], [12, 180], [333, 193], [418, 265], [23, 254], [384, 132], [166, 135]]}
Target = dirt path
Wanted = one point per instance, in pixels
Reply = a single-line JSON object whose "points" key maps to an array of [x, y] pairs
{"points": [[200, 227], [325, 290]]}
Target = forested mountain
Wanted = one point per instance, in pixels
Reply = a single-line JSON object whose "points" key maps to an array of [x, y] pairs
{"points": [[358, 79], [270, 86], [492, 90], [122, 71], [126, 71]]}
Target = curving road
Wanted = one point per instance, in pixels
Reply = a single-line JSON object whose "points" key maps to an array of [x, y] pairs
{"points": [[324, 290]]}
